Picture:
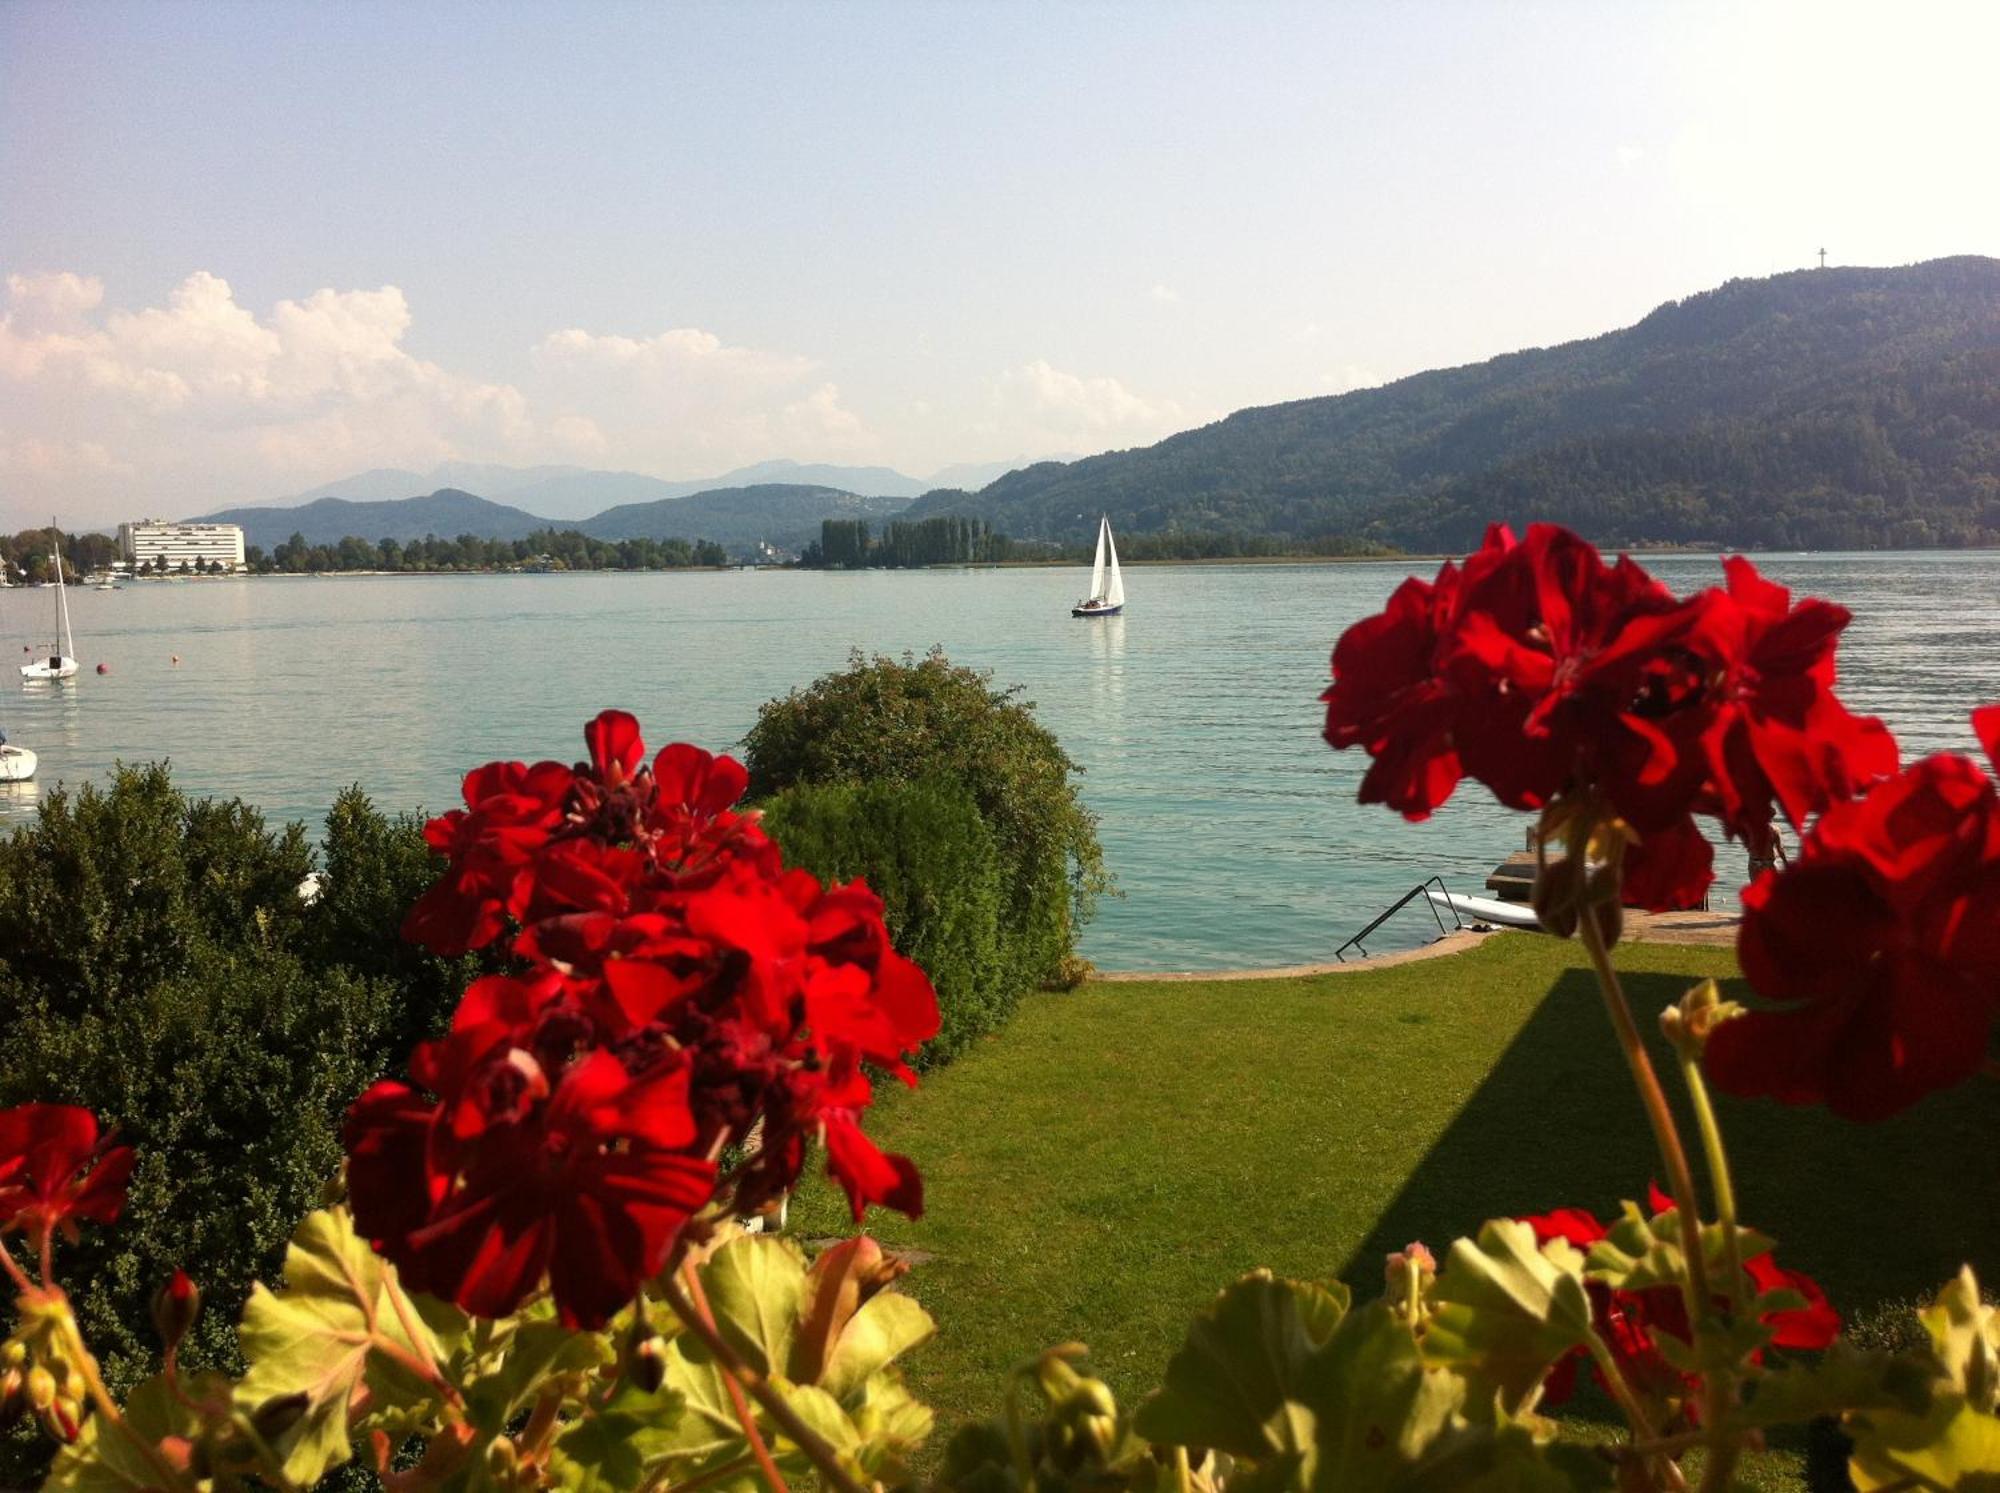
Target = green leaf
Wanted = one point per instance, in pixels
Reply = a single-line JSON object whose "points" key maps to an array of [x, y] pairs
{"points": [[754, 1285], [1504, 1310], [1954, 1447], [1507, 1456], [534, 1352], [328, 1330], [1236, 1384], [887, 1325], [104, 1459], [609, 1450], [1376, 1406], [892, 1424], [1966, 1333], [1844, 1379]]}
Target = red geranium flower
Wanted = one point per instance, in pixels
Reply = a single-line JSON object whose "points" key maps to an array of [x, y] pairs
{"points": [[1629, 1322], [576, 1175], [56, 1169], [1781, 740], [683, 993], [1881, 944]]}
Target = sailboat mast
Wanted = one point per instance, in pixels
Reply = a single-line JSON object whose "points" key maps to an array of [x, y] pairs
{"points": [[62, 592]]}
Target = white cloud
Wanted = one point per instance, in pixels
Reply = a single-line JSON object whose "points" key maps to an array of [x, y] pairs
{"points": [[202, 401], [1042, 407], [205, 402], [685, 401], [1165, 294], [1349, 377]]}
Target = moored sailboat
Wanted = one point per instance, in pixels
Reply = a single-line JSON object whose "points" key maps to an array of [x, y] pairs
{"points": [[1107, 583], [61, 662]]}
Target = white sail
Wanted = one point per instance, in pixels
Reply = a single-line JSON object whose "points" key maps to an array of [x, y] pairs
{"points": [[1097, 566], [1114, 589], [62, 594], [62, 663]]}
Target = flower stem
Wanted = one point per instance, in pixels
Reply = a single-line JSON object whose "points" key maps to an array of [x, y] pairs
{"points": [[1720, 1386], [1635, 1413], [1659, 1114], [1718, 1173]]}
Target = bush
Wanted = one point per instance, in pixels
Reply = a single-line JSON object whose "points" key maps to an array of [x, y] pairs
{"points": [[376, 869], [925, 718], [159, 966], [926, 852]]}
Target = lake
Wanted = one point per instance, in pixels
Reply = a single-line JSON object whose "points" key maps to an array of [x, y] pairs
{"points": [[1230, 827]]}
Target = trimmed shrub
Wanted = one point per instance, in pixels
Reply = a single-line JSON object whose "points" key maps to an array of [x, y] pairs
{"points": [[926, 852], [159, 965], [880, 719]]}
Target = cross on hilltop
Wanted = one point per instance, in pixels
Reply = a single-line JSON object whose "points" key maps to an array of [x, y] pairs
{"points": [[1822, 259]]}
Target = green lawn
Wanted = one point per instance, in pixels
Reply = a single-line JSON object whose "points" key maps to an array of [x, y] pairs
{"points": [[1106, 1164]]}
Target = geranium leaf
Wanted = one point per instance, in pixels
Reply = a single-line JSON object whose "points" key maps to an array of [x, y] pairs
{"points": [[1844, 1379], [1236, 1384], [1954, 1446], [535, 1351], [892, 1424], [104, 1460], [609, 1450], [1504, 1310], [754, 1285], [1966, 1333], [887, 1325], [1376, 1406], [1506, 1456], [336, 1322]]}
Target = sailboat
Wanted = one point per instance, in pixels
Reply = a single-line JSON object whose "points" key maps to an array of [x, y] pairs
{"points": [[1107, 585], [62, 663]]}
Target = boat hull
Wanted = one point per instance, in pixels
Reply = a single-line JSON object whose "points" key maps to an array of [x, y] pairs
{"points": [[1486, 910], [1088, 611], [41, 668], [17, 764]]}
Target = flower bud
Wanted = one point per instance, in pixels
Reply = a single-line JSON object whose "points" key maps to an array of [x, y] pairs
{"points": [[1415, 1256], [63, 1419], [175, 1306], [646, 1367], [13, 1396], [1688, 1022], [41, 1388], [13, 1353], [279, 1414]]}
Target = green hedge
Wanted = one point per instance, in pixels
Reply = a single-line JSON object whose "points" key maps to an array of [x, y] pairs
{"points": [[884, 720], [159, 966], [926, 852]]}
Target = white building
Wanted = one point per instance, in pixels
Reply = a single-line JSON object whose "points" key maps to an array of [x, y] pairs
{"points": [[166, 546]]}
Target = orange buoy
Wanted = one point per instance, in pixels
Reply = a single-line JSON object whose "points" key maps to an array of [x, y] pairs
{"points": [[104, 668], [176, 658]]}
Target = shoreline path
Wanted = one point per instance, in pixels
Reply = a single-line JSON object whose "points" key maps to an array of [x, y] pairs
{"points": [[1710, 929]]}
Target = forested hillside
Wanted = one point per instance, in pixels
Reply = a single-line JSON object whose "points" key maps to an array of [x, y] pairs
{"points": [[1840, 407]]}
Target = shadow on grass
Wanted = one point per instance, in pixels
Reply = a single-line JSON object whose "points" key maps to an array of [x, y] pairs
{"points": [[1874, 1212]]}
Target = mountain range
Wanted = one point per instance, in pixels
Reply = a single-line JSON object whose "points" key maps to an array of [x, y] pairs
{"points": [[1824, 408], [784, 514], [568, 493]]}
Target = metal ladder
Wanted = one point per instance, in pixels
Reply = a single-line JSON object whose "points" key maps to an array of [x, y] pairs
{"points": [[1397, 906]]}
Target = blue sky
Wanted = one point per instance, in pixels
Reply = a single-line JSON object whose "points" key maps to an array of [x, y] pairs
{"points": [[250, 248]]}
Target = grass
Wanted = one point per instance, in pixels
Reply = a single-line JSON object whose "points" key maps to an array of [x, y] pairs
{"points": [[1101, 1168]]}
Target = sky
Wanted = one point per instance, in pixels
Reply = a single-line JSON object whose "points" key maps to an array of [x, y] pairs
{"points": [[248, 249]]}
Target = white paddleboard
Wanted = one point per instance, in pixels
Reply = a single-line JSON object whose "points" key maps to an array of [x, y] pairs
{"points": [[1486, 909]]}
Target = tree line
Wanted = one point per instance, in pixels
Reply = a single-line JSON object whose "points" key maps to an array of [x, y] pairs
{"points": [[26, 555], [545, 549], [950, 539]]}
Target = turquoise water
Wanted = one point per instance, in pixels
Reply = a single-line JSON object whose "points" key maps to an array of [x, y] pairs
{"points": [[1230, 827]]}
